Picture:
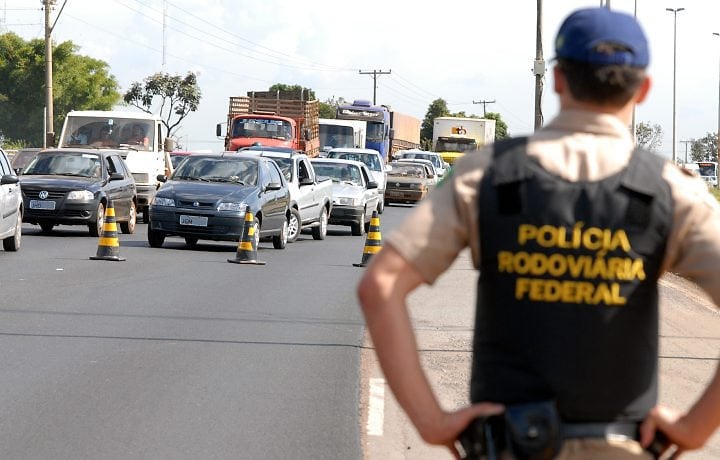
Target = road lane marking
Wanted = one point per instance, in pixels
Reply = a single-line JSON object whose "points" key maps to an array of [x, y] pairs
{"points": [[376, 407]]}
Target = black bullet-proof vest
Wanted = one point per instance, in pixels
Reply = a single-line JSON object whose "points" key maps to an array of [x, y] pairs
{"points": [[567, 305]]}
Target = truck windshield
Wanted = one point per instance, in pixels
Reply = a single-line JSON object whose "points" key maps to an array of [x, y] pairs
{"points": [[707, 169], [105, 132], [455, 146], [262, 127], [375, 131], [334, 136]]}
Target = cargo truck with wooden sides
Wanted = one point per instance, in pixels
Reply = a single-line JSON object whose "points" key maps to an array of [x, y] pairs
{"points": [[273, 119]]}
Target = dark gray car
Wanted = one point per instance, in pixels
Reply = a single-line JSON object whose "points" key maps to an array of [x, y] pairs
{"points": [[207, 196], [75, 186]]}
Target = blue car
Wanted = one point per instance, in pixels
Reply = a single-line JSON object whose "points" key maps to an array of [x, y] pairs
{"points": [[207, 196]]}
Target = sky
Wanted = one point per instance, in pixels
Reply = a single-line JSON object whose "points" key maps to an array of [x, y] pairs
{"points": [[463, 51]]}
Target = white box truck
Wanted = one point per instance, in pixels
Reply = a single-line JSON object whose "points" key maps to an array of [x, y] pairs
{"points": [[140, 137], [453, 136]]}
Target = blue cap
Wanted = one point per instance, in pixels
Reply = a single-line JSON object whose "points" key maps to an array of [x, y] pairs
{"points": [[585, 29]]}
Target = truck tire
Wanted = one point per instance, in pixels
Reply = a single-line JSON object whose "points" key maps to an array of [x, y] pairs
{"points": [[294, 225], [320, 232]]}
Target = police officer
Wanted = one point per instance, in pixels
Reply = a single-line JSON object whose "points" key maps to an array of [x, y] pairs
{"points": [[570, 229]]}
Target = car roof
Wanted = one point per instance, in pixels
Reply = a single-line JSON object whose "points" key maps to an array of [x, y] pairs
{"points": [[268, 148], [338, 161], [92, 151]]}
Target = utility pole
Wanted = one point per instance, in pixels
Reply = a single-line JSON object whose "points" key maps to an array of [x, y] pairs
{"points": [[375, 74], [484, 104], [50, 130], [686, 144], [164, 32], [538, 68]]}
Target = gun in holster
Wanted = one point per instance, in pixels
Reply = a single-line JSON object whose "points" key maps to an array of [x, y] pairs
{"points": [[528, 431]]}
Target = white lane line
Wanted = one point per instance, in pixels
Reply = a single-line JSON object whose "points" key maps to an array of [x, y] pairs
{"points": [[376, 409]]}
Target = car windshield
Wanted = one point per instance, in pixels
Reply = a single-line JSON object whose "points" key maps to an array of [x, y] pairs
{"points": [[407, 171], [243, 171], [108, 132], [176, 159], [339, 172], [424, 156], [371, 160], [65, 164]]}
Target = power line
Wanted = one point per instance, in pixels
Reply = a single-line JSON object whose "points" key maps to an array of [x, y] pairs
{"points": [[484, 104]]}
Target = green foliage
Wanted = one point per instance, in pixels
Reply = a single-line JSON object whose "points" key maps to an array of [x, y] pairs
{"points": [[649, 137], [437, 108], [705, 148], [501, 131], [307, 93], [173, 97], [79, 82], [328, 109]]}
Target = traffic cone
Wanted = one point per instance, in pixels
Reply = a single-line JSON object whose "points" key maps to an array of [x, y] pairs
{"points": [[108, 244], [373, 242], [247, 246]]}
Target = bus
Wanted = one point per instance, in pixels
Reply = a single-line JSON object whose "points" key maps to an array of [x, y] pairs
{"points": [[708, 170]]}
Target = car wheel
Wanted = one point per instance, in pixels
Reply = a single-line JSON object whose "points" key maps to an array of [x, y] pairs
{"points": [[320, 232], [155, 238], [46, 227], [96, 229], [294, 226], [281, 240], [129, 226], [358, 228], [190, 242], [12, 243], [381, 205]]}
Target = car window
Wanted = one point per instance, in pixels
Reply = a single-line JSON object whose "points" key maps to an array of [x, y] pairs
{"points": [[115, 166], [274, 173]]}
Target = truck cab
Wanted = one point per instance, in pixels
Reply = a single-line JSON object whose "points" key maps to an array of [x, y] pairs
{"points": [[141, 139]]}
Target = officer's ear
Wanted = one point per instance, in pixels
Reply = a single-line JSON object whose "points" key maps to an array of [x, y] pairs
{"points": [[559, 82], [643, 90]]}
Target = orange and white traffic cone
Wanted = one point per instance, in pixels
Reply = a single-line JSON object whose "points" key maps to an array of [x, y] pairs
{"points": [[108, 244], [373, 242], [247, 246]]}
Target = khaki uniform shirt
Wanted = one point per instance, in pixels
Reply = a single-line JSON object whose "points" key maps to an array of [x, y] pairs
{"points": [[578, 146]]}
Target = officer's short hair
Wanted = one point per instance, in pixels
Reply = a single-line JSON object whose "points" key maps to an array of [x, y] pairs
{"points": [[607, 84]]}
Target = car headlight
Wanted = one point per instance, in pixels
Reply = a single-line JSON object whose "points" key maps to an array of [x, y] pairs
{"points": [[232, 206], [80, 195], [348, 201], [162, 201]]}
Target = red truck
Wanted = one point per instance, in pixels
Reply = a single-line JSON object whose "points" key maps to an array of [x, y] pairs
{"points": [[273, 119]]}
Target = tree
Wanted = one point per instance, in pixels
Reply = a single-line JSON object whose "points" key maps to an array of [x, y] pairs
{"points": [[79, 83], [171, 95], [501, 131], [705, 148], [437, 108], [328, 109], [649, 137]]}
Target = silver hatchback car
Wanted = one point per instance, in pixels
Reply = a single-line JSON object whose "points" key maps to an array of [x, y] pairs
{"points": [[11, 205]]}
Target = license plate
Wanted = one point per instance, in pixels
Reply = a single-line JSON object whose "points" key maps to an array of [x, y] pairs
{"points": [[196, 221], [393, 194], [41, 204]]}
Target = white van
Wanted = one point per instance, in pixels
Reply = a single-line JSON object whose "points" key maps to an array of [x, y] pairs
{"points": [[140, 137]]}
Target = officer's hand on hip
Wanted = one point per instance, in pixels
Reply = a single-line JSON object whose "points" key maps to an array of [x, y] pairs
{"points": [[670, 427], [447, 430]]}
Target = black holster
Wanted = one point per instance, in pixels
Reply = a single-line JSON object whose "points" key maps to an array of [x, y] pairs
{"points": [[528, 431]]}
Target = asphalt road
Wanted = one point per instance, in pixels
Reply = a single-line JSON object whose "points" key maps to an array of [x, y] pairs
{"points": [[178, 354]]}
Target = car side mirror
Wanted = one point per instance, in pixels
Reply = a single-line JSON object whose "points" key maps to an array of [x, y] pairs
{"points": [[372, 184], [7, 179], [306, 181], [116, 176], [161, 178], [388, 168], [273, 186]]}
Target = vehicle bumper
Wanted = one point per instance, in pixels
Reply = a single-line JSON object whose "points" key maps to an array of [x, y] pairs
{"points": [[145, 194], [345, 215], [81, 213], [405, 195], [225, 227]]}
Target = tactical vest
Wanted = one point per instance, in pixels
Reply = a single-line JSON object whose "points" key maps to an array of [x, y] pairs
{"points": [[567, 305]]}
